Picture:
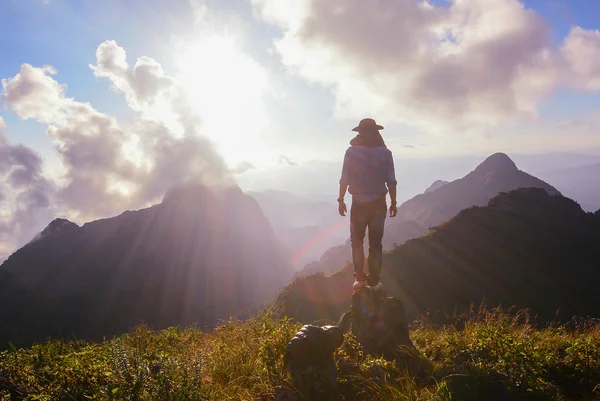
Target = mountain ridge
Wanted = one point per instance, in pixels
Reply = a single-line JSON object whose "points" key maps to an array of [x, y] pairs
{"points": [[496, 174], [512, 252], [198, 256]]}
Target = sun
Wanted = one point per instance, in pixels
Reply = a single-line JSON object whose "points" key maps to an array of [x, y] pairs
{"points": [[227, 87]]}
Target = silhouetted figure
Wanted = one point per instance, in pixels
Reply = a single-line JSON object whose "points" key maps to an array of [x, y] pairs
{"points": [[309, 356], [368, 175]]}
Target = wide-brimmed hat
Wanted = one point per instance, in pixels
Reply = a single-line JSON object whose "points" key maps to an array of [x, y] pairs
{"points": [[367, 125]]}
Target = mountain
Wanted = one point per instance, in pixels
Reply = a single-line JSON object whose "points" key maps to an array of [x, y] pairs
{"points": [[498, 173], [317, 179], [580, 183], [526, 248], [437, 184], [199, 256], [306, 227]]}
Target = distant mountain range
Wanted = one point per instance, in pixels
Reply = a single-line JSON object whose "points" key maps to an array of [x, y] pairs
{"points": [[306, 227], [317, 179], [526, 249], [199, 256], [443, 200], [437, 184], [580, 183]]}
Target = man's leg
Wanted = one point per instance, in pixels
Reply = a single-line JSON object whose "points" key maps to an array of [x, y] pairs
{"points": [[358, 227], [376, 224]]}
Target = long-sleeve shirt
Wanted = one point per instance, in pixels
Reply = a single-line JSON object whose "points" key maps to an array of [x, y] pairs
{"points": [[367, 171]]}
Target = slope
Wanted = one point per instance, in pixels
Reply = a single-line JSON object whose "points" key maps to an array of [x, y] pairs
{"points": [[199, 256], [525, 249]]}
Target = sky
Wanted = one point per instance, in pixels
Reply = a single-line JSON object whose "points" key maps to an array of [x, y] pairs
{"points": [[104, 106]]}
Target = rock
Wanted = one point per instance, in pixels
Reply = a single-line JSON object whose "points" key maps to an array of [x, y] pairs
{"points": [[284, 394], [378, 374], [309, 356], [462, 360], [379, 323]]}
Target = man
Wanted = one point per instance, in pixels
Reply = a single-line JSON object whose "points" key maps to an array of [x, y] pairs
{"points": [[368, 175]]}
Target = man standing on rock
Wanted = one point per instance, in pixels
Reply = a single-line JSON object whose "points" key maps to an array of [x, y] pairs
{"points": [[368, 175]]}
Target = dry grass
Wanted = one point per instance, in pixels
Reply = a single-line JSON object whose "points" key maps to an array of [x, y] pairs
{"points": [[490, 354]]}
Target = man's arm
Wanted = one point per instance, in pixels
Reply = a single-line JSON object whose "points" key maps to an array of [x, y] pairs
{"points": [[344, 182], [393, 207], [392, 195], [392, 184], [342, 192], [341, 204]]}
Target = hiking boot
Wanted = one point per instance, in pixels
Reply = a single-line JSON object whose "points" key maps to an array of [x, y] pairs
{"points": [[359, 285]]}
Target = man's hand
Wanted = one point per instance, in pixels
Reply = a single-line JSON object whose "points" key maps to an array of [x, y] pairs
{"points": [[393, 210], [342, 208]]}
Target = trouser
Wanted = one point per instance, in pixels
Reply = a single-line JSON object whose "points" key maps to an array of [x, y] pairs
{"points": [[369, 215]]}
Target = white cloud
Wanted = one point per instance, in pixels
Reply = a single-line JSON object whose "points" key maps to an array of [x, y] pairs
{"points": [[143, 85], [25, 196], [108, 166], [581, 58], [471, 64], [32, 94]]}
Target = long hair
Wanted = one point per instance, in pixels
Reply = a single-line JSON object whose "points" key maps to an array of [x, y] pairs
{"points": [[369, 139]]}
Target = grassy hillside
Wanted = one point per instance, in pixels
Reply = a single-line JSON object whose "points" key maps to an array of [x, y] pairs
{"points": [[486, 355]]}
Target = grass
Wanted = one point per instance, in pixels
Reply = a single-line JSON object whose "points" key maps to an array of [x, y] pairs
{"points": [[489, 354]]}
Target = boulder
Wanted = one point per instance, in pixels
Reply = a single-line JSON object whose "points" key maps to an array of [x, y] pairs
{"points": [[379, 324], [309, 356]]}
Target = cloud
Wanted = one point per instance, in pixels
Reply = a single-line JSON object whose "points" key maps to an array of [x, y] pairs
{"points": [[26, 194], [286, 160], [109, 167], [447, 68], [142, 85], [580, 54], [32, 94], [243, 167]]}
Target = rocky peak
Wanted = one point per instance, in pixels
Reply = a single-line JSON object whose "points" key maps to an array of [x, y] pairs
{"points": [[58, 225], [497, 162]]}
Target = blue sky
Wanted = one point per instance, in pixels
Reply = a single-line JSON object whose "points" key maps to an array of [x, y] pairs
{"points": [[268, 84], [562, 15], [65, 34]]}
